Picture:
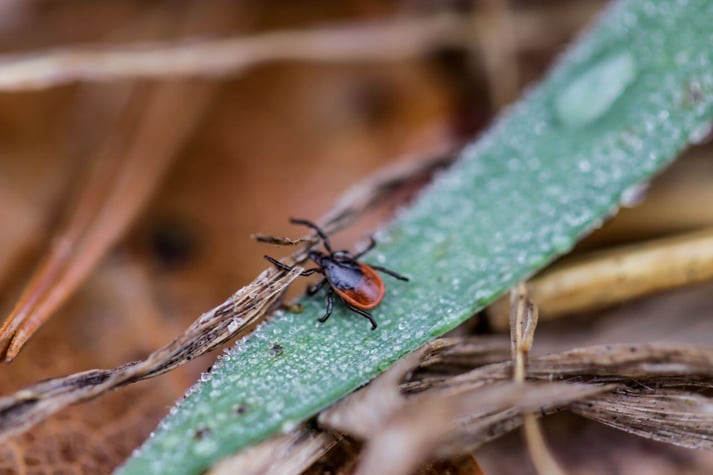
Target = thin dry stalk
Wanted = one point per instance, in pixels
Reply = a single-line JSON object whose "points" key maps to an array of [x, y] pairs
{"points": [[220, 57], [402, 433], [100, 217], [639, 376], [523, 321], [623, 273], [27, 407], [385, 42], [499, 47], [120, 182]]}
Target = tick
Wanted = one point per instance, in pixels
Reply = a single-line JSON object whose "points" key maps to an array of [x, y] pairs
{"points": [[356, 284]]}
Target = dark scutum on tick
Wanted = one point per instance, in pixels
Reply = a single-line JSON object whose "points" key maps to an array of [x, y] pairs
{"points": [[356, 284]]}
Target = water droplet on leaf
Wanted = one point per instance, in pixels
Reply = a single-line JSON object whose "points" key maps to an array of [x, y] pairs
{"points": [[701, 134], [595, 91], [634, 195]]}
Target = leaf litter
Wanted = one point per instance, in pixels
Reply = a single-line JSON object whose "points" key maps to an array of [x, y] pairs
{"points": [[241, 311]]}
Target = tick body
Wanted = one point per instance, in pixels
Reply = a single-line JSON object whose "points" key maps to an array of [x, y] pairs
{"points": [[356, 284]]}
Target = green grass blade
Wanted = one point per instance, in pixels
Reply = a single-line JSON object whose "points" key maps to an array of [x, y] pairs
{"points": [[621, 104]]}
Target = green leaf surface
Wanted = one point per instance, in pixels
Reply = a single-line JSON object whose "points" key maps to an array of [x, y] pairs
{"points": [[619, 106]]}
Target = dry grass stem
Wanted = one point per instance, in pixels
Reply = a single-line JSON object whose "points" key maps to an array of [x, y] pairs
{"points": [[523, 321], [220, 57], [498, 46], [619, 274], [374, 189], [287, 454], [114, 193], [387, 42], [20, 411], [672, 378], [404, 432], [652, 390]]}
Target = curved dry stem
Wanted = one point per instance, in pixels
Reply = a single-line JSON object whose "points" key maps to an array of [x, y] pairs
{"points": [[217, 57], [114, 193], [612, 276]]}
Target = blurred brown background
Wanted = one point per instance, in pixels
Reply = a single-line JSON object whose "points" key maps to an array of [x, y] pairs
{"points": [[277, 140]]}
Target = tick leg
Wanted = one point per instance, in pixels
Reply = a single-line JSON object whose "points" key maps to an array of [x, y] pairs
{"points": [[313, 289], [287, 268], [330, 304], [371, 245], [363, 313], [317, 229], [391, 273]]}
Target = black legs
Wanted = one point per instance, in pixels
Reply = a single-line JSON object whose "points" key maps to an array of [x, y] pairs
{"points": [[316, 229], [363, 313], [287, 268], [390, 272], [313, 289], [371, 245], [330, 304]]}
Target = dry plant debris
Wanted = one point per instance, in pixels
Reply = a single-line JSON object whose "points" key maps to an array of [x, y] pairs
{"points": [[636, 388], [30, 405], [604, 278], [220, 57], [241, 311], [523, 321], [116, 189]]}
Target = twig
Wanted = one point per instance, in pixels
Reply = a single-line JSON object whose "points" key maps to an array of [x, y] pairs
{"points": [[498, 46], [100, 217], [623, 273], [218, 57], [523, 321], [30, 405]]}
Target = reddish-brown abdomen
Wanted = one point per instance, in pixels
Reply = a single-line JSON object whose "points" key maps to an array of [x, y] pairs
{"points": [[368, 293]]}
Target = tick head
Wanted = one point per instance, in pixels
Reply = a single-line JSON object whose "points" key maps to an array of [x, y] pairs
{"points": [[316, 257]]}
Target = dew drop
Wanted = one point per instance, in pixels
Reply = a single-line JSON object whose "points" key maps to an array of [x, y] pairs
{"points": [[701, 134], [584, 166], [594, 91], [233, 325], [634, 195], [288, 426]]}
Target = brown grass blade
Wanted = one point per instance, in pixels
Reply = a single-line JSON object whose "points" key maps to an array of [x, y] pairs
{"points": [[30, 405], [219, 57], [523, 322], [650, 383], [100, 219], [612, 276]]}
